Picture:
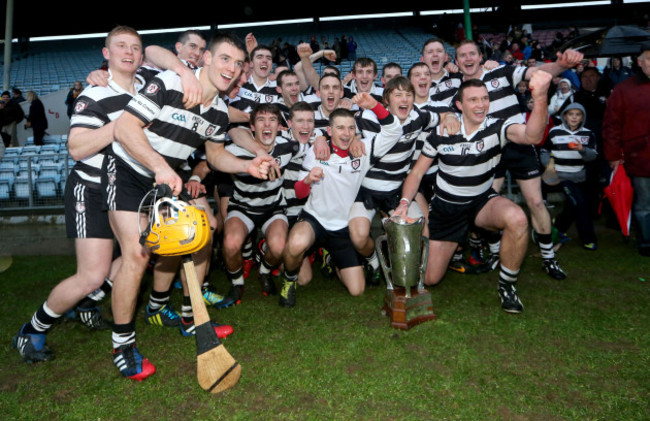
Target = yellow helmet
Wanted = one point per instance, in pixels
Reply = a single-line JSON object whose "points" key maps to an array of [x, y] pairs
{"points": [[176, 228]]}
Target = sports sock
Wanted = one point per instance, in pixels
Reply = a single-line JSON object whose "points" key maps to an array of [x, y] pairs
{"points": [[458, 256], [237, 277], [247, 250], [545, 242], [373, 260], [291, 276], [97, 295], [123, 334], [42, 320], [507, 276], [265, 267], [186, 310], [494, 242], [157, 300]]}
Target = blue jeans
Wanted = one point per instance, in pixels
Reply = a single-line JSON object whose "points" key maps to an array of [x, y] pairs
{"points": [[641, 209]]}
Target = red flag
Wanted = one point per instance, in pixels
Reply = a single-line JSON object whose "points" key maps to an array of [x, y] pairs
{"points": [[620, 194]]}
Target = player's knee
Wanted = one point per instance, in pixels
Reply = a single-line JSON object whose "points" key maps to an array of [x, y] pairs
{"points": [[231, 245], [357, 289], [516, 220]]}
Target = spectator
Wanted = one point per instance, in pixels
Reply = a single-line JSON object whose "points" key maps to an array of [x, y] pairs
{"points": [[36, 119], [11, 113], [626, 129], [73, 93], [563, 92], [17, 96], [344, 47], [571, 145], [616, 72], [523, 94], [352, 49]]}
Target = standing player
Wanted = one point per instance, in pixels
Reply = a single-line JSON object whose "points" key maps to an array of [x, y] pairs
{"points": [[331, 187], [259, 88], [154, 136], [91, 132], [463, 190], [364, 73]]}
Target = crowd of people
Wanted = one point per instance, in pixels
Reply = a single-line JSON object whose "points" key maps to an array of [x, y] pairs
{"points": [[299, 163]]}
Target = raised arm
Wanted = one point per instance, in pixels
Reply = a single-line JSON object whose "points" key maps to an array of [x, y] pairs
{"points": [[533, 131]]}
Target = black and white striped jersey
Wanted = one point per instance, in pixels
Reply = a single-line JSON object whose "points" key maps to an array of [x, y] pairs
{"points": [[173, 131], [95, 107], [445, 88], [569, 160], [438, 107], [290, 175], [256, 196], [501, 84], [350, 90], [388, 171], [320, 120], [146, 73], [250, 95], [466, 163], [312, 100]]}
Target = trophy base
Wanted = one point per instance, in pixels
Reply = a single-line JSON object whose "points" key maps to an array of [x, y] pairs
{"points": [[406, 312]]}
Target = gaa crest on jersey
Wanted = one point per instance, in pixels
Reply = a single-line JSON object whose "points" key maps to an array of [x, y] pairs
{"points": [[268, 98], [495, 83], [210, 130], [355, 163], [480, 146], [80, 207], [153, 88], [448, 83], [278, 161], [584, 140], [80, 106]]}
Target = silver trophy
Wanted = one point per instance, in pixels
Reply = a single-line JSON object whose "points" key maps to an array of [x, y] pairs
{"points": [[407, 301]]}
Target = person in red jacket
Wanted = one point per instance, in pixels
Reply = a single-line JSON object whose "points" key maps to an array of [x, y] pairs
{"points": [[626, 134]]}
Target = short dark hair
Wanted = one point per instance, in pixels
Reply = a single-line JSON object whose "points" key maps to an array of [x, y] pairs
{"points": [[184, 36], [231, 38], [280, 77], [469, 41], [590, 69], [265, 108], [398, 82], [328, 75], [17, 91], [431, 41], [414, 66], [340, 112], [470, 83], [261, 47], [391, 65], [365, 62], [300, 106], [330, 67]]}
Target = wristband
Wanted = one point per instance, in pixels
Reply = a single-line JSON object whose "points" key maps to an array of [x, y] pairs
{"points": [[195, 178], [404, 199]]}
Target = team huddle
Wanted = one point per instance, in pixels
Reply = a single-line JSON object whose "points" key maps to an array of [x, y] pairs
{"points": [[297, 162]]}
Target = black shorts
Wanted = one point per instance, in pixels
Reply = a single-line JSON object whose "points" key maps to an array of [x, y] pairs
{"points": [[383, 201], [337, 243], [452, 221], [427, 186], [125, 187], [85, 214], [254, 220], [521, 161], [224, 183]]}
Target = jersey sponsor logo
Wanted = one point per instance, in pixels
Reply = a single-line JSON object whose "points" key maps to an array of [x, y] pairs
{"points": [[179, 117], [153, 88], [80, 106]]}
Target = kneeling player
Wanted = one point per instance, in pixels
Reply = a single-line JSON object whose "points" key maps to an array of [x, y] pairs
{"points": [[332, 187], [463, 192]]}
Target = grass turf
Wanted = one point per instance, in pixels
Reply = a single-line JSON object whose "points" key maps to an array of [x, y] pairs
{"points": [[579, 351]]}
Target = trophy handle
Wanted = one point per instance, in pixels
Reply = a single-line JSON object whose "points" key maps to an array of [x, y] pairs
{"points": [[382, 260], [424, 261]]}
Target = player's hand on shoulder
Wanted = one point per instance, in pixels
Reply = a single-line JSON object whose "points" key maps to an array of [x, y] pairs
{"points": [[449, 123], [357, 148], [97, 77]]}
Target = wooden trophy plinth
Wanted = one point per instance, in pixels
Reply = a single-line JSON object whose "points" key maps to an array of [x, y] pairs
{"points": [[406, 312]]}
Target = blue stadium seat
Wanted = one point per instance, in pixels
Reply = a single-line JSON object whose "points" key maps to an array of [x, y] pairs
{"points": [[6, 187], [46, 187]]}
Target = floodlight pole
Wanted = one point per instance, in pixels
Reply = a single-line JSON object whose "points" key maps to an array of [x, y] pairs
{"points": [[468, 20], [8, 31]]}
